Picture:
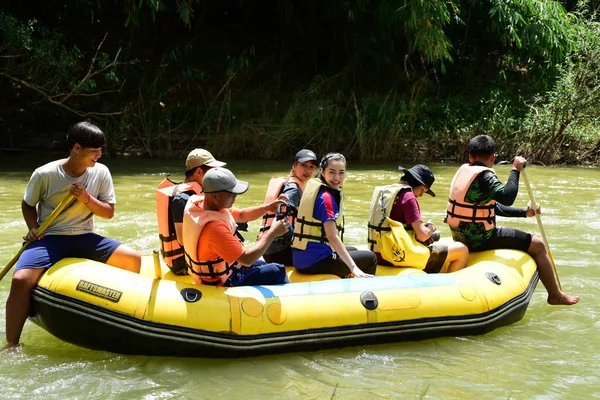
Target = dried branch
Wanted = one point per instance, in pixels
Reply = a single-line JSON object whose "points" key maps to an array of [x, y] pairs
{"points": [[45, 96], [91, 73]]}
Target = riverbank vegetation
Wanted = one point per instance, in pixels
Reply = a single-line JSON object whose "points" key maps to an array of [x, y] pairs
{"points": [[377, 80]]}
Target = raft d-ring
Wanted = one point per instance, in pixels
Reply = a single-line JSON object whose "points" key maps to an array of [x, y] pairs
{"points": [[369, 300], [493, 277], [191, 295]]}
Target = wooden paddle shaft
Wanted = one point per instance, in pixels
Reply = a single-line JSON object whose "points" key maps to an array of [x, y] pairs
{"points": [[55, 213], [539, 223]]}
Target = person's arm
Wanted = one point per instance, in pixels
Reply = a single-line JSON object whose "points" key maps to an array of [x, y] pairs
{"points": [[506, 194], [253, 253], [510, 212], [292, 193], [256, 212], [338, 246], [98, 207], [423, 231], [30, 216]]}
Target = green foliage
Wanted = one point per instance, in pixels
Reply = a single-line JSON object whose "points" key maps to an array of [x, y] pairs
{"points": [[424, 22], [135, 10], [566, 118], [31, 49], [47, 72], [538, 33], [383, 79]]}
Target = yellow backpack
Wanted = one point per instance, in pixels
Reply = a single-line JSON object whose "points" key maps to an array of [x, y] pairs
{"points": [[389, 237]]}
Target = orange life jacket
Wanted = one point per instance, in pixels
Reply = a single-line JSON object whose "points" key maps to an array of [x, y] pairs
{"points": [[170, 249], [195, 217], [273, 191], [459, 210]]}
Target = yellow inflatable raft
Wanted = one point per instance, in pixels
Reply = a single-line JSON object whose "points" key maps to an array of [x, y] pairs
{"points": [[156, 313]]}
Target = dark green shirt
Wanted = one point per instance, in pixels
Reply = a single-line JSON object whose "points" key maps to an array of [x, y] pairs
{"points": [[485, 187]]}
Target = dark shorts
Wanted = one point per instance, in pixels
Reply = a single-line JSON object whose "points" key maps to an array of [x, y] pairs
{"points": [[259, 273], [438, 253], [53, 248], [365, 260], [507, 238]]}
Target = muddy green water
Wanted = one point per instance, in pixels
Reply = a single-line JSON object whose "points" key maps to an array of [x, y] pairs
{"points": [[553, 353]]}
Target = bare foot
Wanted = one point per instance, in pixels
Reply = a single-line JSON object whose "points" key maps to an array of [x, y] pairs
{"points": [[563, 299], [9, 346]]}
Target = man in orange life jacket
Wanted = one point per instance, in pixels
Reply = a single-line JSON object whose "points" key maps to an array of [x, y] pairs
{"points": [[171, 199], [477, 196], [198, 162], [215, 256]]}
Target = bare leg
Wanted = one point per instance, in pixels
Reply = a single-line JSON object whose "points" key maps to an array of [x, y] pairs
{"points": [[537, 250], [458, 255], [18, 303], [125, 257]]}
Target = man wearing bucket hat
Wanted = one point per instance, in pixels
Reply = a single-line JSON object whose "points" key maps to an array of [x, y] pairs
{"points": [[402, 206], [171, 198], [215, 256], [197, 163]]}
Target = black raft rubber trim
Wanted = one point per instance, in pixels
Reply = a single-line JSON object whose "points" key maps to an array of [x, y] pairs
{"points": [[95, 327]]}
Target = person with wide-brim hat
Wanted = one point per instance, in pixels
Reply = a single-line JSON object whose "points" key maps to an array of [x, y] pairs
{"points": [[417, 181]]}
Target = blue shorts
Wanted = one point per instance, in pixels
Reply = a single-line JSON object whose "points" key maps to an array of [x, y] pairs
{"points": [[53, 248], [260, 273]]}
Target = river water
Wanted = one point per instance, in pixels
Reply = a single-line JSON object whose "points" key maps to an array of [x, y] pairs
{"points": [[552, 353]]}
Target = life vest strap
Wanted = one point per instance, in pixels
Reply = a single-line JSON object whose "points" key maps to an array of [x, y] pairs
{"points": [[475, 208], [210, 264], [171, 253], [379, 228], [455, 203], [169, 238], [239, 236], [266, 218], [321, 239]]}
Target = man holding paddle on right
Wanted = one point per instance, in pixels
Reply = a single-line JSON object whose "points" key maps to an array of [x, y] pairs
{"points": [[78, 187], [477, 196]]}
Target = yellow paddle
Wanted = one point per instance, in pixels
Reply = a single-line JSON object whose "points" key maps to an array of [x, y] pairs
{"points": [[540, 226], [55, 213]]}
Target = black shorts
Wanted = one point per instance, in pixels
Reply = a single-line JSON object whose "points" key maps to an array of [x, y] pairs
{"points": [[507, 238], [438, 253]]}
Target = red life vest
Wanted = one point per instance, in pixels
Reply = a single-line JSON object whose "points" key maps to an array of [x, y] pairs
{"points": [[170, 249], [195, 217], [273, 191], [459, 210]]}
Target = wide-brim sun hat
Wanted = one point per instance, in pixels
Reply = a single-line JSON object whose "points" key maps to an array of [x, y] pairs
{"points": [[422, 174]]}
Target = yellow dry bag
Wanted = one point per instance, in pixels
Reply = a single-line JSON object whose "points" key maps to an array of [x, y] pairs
{"points": [[402, 249]]}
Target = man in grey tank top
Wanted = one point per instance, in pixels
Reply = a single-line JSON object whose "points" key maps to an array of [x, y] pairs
{"points": [[71, 233]]}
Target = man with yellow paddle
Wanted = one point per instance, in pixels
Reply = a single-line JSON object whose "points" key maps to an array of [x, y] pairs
{"points": [[477, 196], [58, 207]]}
